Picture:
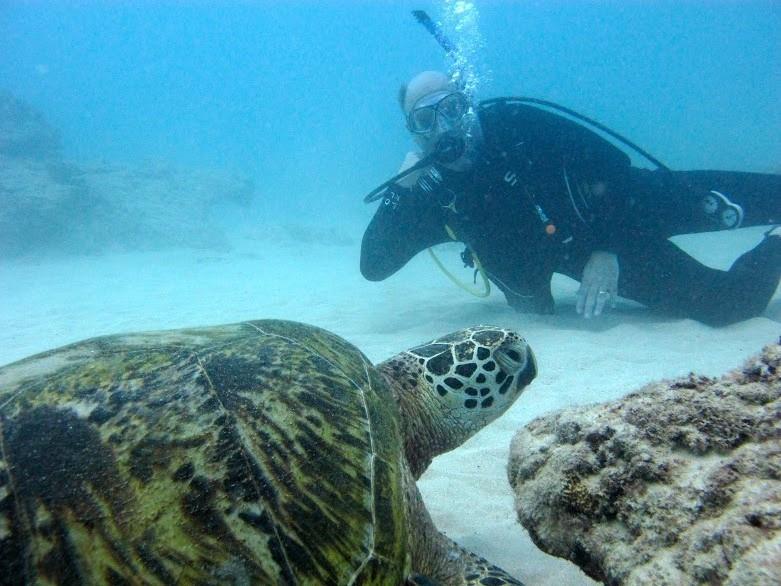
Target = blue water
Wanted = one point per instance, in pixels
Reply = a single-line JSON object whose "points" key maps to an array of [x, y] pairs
{"points": [[301, 95]]}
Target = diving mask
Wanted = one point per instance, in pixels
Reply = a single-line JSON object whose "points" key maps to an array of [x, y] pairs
{"points": [[452, 106]]}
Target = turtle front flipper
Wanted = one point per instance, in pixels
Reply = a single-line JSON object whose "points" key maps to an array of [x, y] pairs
{"points": [[418, 580], [437, 559], [467, 568], [480, 572]]}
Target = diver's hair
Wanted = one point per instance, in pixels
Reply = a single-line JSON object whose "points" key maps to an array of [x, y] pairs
{"points": [[402, 95]]}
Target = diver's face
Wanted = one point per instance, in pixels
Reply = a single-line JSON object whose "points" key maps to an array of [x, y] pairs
{"points": [[437, 121]]}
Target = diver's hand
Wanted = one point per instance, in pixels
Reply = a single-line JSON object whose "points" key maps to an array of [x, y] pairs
{"points": [[411, 159], [599, 284]]}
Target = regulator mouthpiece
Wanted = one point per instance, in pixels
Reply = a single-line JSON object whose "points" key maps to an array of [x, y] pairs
{"points": [[449, 148]]}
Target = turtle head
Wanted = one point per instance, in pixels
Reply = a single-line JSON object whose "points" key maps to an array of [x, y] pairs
{"points": [[451, 387]]}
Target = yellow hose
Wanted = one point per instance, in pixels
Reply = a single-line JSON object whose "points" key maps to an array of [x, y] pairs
{"points": [[486, 290]]}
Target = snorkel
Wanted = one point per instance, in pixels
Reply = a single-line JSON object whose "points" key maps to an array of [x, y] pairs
{"points": [[451, 146], [436, 32]]}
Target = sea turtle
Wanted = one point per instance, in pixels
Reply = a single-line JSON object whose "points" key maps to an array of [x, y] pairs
{"points": [[263, 452]]}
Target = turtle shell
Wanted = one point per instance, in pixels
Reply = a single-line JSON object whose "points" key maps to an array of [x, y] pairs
{"points": [[265, 452]]}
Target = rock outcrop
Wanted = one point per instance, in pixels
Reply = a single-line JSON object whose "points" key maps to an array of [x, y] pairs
{"points": [[24, 131], [678, 483], [49, 205]]}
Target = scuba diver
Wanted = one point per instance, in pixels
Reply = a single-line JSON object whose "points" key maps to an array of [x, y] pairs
{"points": [[531, 192]]}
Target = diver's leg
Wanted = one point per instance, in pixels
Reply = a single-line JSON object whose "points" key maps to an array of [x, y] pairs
{"points": [[685, 202], [662, 276]]}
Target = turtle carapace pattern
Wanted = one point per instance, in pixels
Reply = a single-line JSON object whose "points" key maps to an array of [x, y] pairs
{"points": [[262, 452]]}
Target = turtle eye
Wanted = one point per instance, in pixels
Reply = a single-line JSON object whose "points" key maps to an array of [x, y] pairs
{"points": [[512, 357]]}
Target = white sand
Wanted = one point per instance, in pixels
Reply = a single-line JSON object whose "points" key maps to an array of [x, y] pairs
{"points": [[49, 303]]}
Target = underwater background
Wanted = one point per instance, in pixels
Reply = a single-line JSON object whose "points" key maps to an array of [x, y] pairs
{"points": [[174, 164], [301, 96]]}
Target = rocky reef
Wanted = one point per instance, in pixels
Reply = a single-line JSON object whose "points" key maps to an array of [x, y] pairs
{"points": [[24, 131], [50, 205], [677, 483]]}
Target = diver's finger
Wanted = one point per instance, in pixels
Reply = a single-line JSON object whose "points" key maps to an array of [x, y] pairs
{"points": [[602, 298], [591, 300], [581, 299]]}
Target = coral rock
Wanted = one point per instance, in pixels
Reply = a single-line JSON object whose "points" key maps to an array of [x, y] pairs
{"points": [[678, 483], [24, 131], [58, 206], [49, 205]]}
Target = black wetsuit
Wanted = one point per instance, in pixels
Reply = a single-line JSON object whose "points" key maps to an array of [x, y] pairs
{"points": [[546, 192]]}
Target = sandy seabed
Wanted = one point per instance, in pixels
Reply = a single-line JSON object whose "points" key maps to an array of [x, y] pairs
{"points": [[48, 303]]}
